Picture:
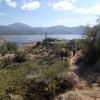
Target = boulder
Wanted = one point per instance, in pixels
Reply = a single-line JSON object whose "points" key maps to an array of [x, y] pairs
{"points": [[61, 98]]}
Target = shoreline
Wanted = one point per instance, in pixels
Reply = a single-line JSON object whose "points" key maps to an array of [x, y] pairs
{"points": [[3, 40]]}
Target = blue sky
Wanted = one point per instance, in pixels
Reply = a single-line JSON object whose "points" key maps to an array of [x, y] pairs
{"points": [[44, 13]]}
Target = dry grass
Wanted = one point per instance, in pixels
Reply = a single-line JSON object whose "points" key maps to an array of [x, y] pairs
{"points": [[74, 96]]}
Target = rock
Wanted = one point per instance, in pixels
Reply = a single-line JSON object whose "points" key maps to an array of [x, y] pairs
{"points": [[61, 98], [74, 96], [94, 85], [32, 77], [15, 97], [52, 56]]}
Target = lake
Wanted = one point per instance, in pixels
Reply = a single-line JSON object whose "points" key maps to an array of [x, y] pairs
{"points": [[29, 38]]}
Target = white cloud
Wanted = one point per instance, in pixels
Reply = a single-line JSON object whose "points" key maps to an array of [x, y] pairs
{"points": [[50, 4], [93, 10], [11, 4], [31, 5], [63, 6], [93, 23], [3, 14], [62, 21], [71, 0]]}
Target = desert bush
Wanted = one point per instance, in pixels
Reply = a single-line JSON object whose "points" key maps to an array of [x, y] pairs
{"points": [[80, 43], [12, 82], [52, 74], [36, 90], [88, 51], [70, 80], [47, 84], [3, 50], [21, 57], [63, 45], [49, 40], [57, 67], [59, 82], [5, 62], [47, 43], [34, 51], [10, 46], [39, 43]]}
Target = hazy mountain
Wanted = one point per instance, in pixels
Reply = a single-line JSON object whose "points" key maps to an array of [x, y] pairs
{"points": [[18, 25], [23, 29]]}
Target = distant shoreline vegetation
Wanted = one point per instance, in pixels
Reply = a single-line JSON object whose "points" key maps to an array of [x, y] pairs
{"points": [[29, 38]]}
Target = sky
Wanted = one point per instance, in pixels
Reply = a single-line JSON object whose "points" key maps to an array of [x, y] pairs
{"points": [[45, 13]]}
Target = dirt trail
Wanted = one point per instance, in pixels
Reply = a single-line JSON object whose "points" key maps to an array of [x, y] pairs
{"points": [[83, 89], [72, 62]]}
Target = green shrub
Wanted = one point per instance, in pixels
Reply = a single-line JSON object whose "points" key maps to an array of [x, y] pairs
{"points": [[21, 57], [3, 53], [63, 45], [49, 40], [5, 62], [38, 43], [3, 50], [12, 82], [10, 46], [91, 50]]}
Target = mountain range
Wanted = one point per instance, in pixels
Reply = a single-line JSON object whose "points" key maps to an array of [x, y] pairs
{"points": [[23, 29]]}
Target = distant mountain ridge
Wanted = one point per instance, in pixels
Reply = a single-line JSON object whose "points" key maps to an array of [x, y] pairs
{"points": [[23, 29]]}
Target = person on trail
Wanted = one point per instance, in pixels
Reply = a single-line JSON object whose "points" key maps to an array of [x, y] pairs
{"points": [[74, 48], [62, 52]]}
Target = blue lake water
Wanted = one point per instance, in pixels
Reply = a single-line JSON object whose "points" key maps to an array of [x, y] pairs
{"points": [[29, 38]]}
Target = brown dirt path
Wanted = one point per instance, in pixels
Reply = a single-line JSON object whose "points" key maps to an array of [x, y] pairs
{"points": [[71, 62]]}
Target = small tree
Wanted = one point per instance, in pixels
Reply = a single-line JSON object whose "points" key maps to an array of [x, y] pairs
{"points": [[92, 43]]}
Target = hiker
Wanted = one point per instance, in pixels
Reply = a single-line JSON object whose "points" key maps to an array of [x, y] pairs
{"points": [[74, 48], [62, 52]]}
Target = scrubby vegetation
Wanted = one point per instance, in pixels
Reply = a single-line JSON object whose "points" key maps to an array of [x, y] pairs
{"points": [[32, 80], [21, 57], [43, 77], [8, 47]]}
